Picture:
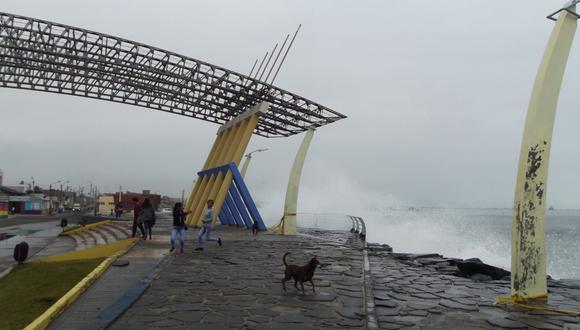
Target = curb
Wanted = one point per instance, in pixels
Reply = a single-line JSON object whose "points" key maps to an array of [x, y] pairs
{"points": [[44, 320], [368, 296], [84, 228]]}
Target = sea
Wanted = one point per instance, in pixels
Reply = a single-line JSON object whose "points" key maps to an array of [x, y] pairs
{"points": [[466, 233]]}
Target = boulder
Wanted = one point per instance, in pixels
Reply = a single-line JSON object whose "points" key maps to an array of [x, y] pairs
{"points": [[470, 267]]}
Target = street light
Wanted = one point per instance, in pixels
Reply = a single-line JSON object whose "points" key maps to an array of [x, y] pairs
{"points": [[248, 159]]}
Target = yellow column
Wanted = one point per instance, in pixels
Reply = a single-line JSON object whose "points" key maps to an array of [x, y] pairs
{"points": [[214, 149], [216, 180], [199, 199], [194, 191], [528, 276], [247, 128]]}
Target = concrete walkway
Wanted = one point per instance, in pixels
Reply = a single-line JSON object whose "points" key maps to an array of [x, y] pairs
{"points": [[238, 286]]}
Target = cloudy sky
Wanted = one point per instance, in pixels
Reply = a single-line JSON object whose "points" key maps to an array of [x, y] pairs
{"points": [[435, 93]]}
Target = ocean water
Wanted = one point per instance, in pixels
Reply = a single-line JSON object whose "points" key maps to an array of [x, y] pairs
{"points": [[475, 233]]}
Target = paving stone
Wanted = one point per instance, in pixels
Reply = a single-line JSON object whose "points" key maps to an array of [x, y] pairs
{"points": [[464, 301], [505, 323], [421, 305], [287, 326], [454, 305], [263, 312], [386, 303], [187, 307], [167, 323], [321, 296], [187, 316], [290, 318], [350, 323], [215, 318], [418, 313], [424, 296], [350, 313], [258, 319], [387, 311], [536, 323]]}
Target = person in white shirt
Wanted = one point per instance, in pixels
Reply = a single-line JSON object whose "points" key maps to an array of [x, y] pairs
{"points": [[206, 227]]}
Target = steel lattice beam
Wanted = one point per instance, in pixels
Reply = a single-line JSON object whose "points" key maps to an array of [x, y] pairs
{"points": [[50, 57]]}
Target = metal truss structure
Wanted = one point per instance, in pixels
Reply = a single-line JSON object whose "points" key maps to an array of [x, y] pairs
{"points": [[50, 57]]}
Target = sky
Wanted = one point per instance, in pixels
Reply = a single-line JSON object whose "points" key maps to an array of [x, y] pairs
{"points": [[435, 92]]}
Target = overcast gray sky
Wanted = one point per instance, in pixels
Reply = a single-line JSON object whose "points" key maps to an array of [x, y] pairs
{"points": [[436, 94]]}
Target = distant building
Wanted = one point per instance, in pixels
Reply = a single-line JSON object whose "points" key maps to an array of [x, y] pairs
{"points": [[126, 199], [106, 205], [19, 202]]}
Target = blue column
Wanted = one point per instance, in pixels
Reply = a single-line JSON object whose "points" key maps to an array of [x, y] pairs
{"points": [[234, 211], [240, 206]]}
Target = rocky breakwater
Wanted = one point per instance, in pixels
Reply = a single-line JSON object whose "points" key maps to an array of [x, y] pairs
{"points": [[432, 291]]}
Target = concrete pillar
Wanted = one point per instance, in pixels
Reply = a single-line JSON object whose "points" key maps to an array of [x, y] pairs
{"points": [[291, 202], [528, 279]]}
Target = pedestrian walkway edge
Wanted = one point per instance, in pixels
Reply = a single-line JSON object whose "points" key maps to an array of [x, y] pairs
{"points": [[368, 296], [73, 294]]}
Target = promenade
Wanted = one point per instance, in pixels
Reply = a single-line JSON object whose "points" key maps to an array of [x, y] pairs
{"points": [[238, 286]]}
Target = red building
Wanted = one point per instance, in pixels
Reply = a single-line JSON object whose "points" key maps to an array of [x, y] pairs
{"points": [[127, 199]]}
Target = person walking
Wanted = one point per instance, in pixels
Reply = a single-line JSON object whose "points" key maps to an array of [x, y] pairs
{"points": [[147, 217], [136, 213], [206, 227], [118, 210], [179, 227]]}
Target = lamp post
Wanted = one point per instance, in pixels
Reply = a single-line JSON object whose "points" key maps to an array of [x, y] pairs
{"points": [[248, 159]]}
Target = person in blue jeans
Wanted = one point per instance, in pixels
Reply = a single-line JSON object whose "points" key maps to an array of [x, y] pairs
{"points": [[179, 226], [206, 227]]}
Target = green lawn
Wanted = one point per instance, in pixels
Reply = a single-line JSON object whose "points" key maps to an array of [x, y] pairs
{"points": [[33, 287]]}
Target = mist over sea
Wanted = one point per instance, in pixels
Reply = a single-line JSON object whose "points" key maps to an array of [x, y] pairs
{"points": [[462, 233], [475, 233], [483, 233]]}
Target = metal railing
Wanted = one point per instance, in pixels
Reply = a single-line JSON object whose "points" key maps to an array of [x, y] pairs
{"points": [[359, 227]]}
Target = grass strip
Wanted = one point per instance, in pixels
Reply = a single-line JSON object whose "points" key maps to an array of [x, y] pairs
{"points": [[33, 287]]}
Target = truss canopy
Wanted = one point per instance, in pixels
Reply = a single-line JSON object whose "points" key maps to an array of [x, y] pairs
{"points": [[50, 57]]}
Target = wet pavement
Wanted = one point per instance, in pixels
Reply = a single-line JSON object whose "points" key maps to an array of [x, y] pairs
{"points": [[415, 293], [238, 286]]}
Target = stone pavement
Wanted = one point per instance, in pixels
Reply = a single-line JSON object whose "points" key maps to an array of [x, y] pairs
{"points": [[238, 285], [415, 293]]}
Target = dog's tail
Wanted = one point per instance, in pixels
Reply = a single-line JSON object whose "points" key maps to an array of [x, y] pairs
{"points": [[284, 258]]}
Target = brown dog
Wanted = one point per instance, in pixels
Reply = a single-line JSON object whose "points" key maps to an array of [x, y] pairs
{"points": [[300, 274]]}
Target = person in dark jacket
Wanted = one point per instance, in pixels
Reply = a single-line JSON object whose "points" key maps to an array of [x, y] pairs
{"points": [[136, 223], [179, 226], [147, 217]]}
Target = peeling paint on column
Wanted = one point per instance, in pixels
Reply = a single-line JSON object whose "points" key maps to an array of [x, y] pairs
{"points": [[529, 216]]}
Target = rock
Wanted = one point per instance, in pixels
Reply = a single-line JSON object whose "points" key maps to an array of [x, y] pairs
{"points": [[481, 277], [474, 266]]}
